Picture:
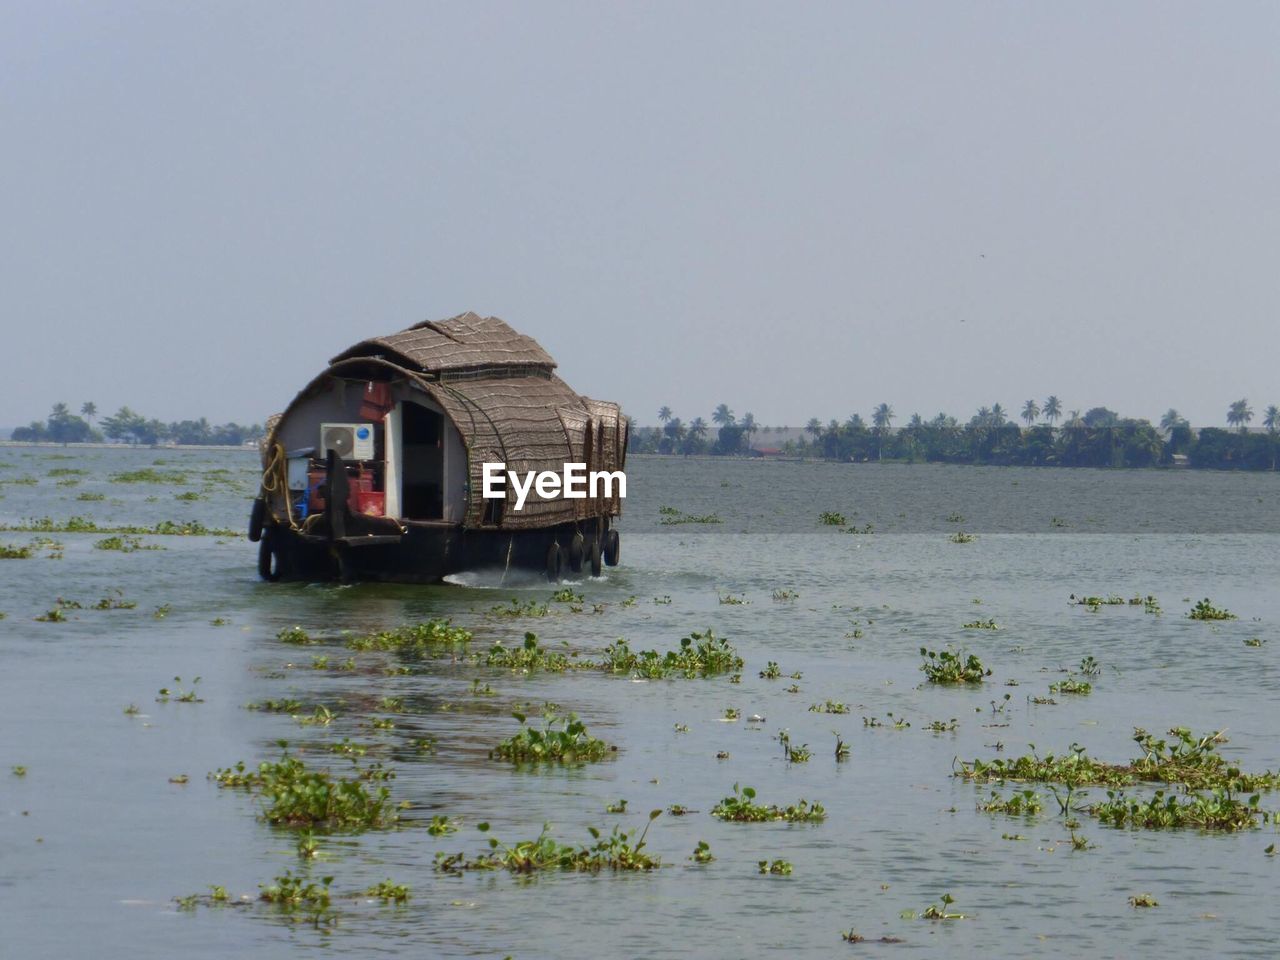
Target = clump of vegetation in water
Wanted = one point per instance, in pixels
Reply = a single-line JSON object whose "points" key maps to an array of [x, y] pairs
{"points": [[530, 656], [778, 868], [771, 671], [1072, 685], [179, 695], [942, 726], [190, 528], [1217, 810], [388, 891], [982, 625], [296, 636], [791, 753], [292, 892], [420, 639], [561, 740], [830, 706], [13, 551], [515, 609], [935, 911], [730, 600], [742, 808], [781, 596], [1143, 900], [672, 517], [125, 544], [699, 655], [1024, 803], [961, 537], [619, 807], [189, 495], [898, 723], [952, 667], [1205, 610], [67, 472], [832, 519], [296, 796], [148, 475], [702, 853], [613, 851], [90, 497], [1185, 759]]}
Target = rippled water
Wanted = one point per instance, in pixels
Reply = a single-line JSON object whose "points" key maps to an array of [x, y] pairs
{"points": [[95, 842]]}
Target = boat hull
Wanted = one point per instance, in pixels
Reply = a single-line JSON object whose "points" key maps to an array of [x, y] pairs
{"points": [[425, 553]]}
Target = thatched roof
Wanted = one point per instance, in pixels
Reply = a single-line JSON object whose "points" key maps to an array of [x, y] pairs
{"points": [[449, 347]]}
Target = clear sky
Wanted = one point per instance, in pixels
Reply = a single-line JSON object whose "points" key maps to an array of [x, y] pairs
{"points": [[798, 209]]}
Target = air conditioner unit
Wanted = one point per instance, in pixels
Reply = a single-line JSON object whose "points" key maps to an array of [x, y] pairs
{"points": [[351, 441]]}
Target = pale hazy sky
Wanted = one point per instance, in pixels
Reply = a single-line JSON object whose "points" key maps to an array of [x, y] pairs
{"points": [[799, 209]]}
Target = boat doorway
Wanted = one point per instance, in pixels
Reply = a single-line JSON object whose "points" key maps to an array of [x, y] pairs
{"points": [[422, 469]]}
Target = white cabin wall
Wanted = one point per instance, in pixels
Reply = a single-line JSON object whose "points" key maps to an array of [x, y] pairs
{"points": [[394, 452], [301, 428]]}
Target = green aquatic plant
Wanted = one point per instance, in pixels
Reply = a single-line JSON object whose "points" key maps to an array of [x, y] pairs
{"points": [[290, 892], [832, 519], [1089, 667], [90, 497], [566, 595], [295, 796], [779, 868], [1072, 685], [941, 910], [148, 475], [830, 706], [842, 749], [942, 726], [982, 625], [516, 609], [530, 656], [949, 666], [1217, 810], [614, 851], [1023, 803], [699, 655], [729, 599], [771, 671], [742, 808], [276, 706], [429, 638], [388, 891], [125, 544], [1205, 610], [702, 853], [676, 518], [1254, 642], [1143, 900], [793, 754], [619, 807], [561, 740], [296, 636], [189, 495], [12, 551], [178, 694], [19, 770], [961, 537], [441, 826], [781, 596]]}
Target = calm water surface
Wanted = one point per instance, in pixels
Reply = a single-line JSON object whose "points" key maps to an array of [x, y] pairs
{"points": [[95, 842]]}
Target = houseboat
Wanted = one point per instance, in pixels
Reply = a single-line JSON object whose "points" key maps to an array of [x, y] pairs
{"points": [[376, 469]]}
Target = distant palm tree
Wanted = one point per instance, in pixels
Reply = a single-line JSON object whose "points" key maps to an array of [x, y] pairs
{"points": [[664, 414], [1240, 414], [1052, 410], [89, 410], [723, 416], [697, 428], [749, 426], [1170, 420], [997, 415], [881, 417], [1075, 420], [813, 428], [1272, 423], [1030, 410]]}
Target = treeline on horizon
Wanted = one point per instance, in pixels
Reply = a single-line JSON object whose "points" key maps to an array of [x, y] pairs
{"points": [[126, 426], [1098, 438]]}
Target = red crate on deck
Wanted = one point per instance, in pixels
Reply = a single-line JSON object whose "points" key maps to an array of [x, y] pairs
{"points": [[372, 503]]}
